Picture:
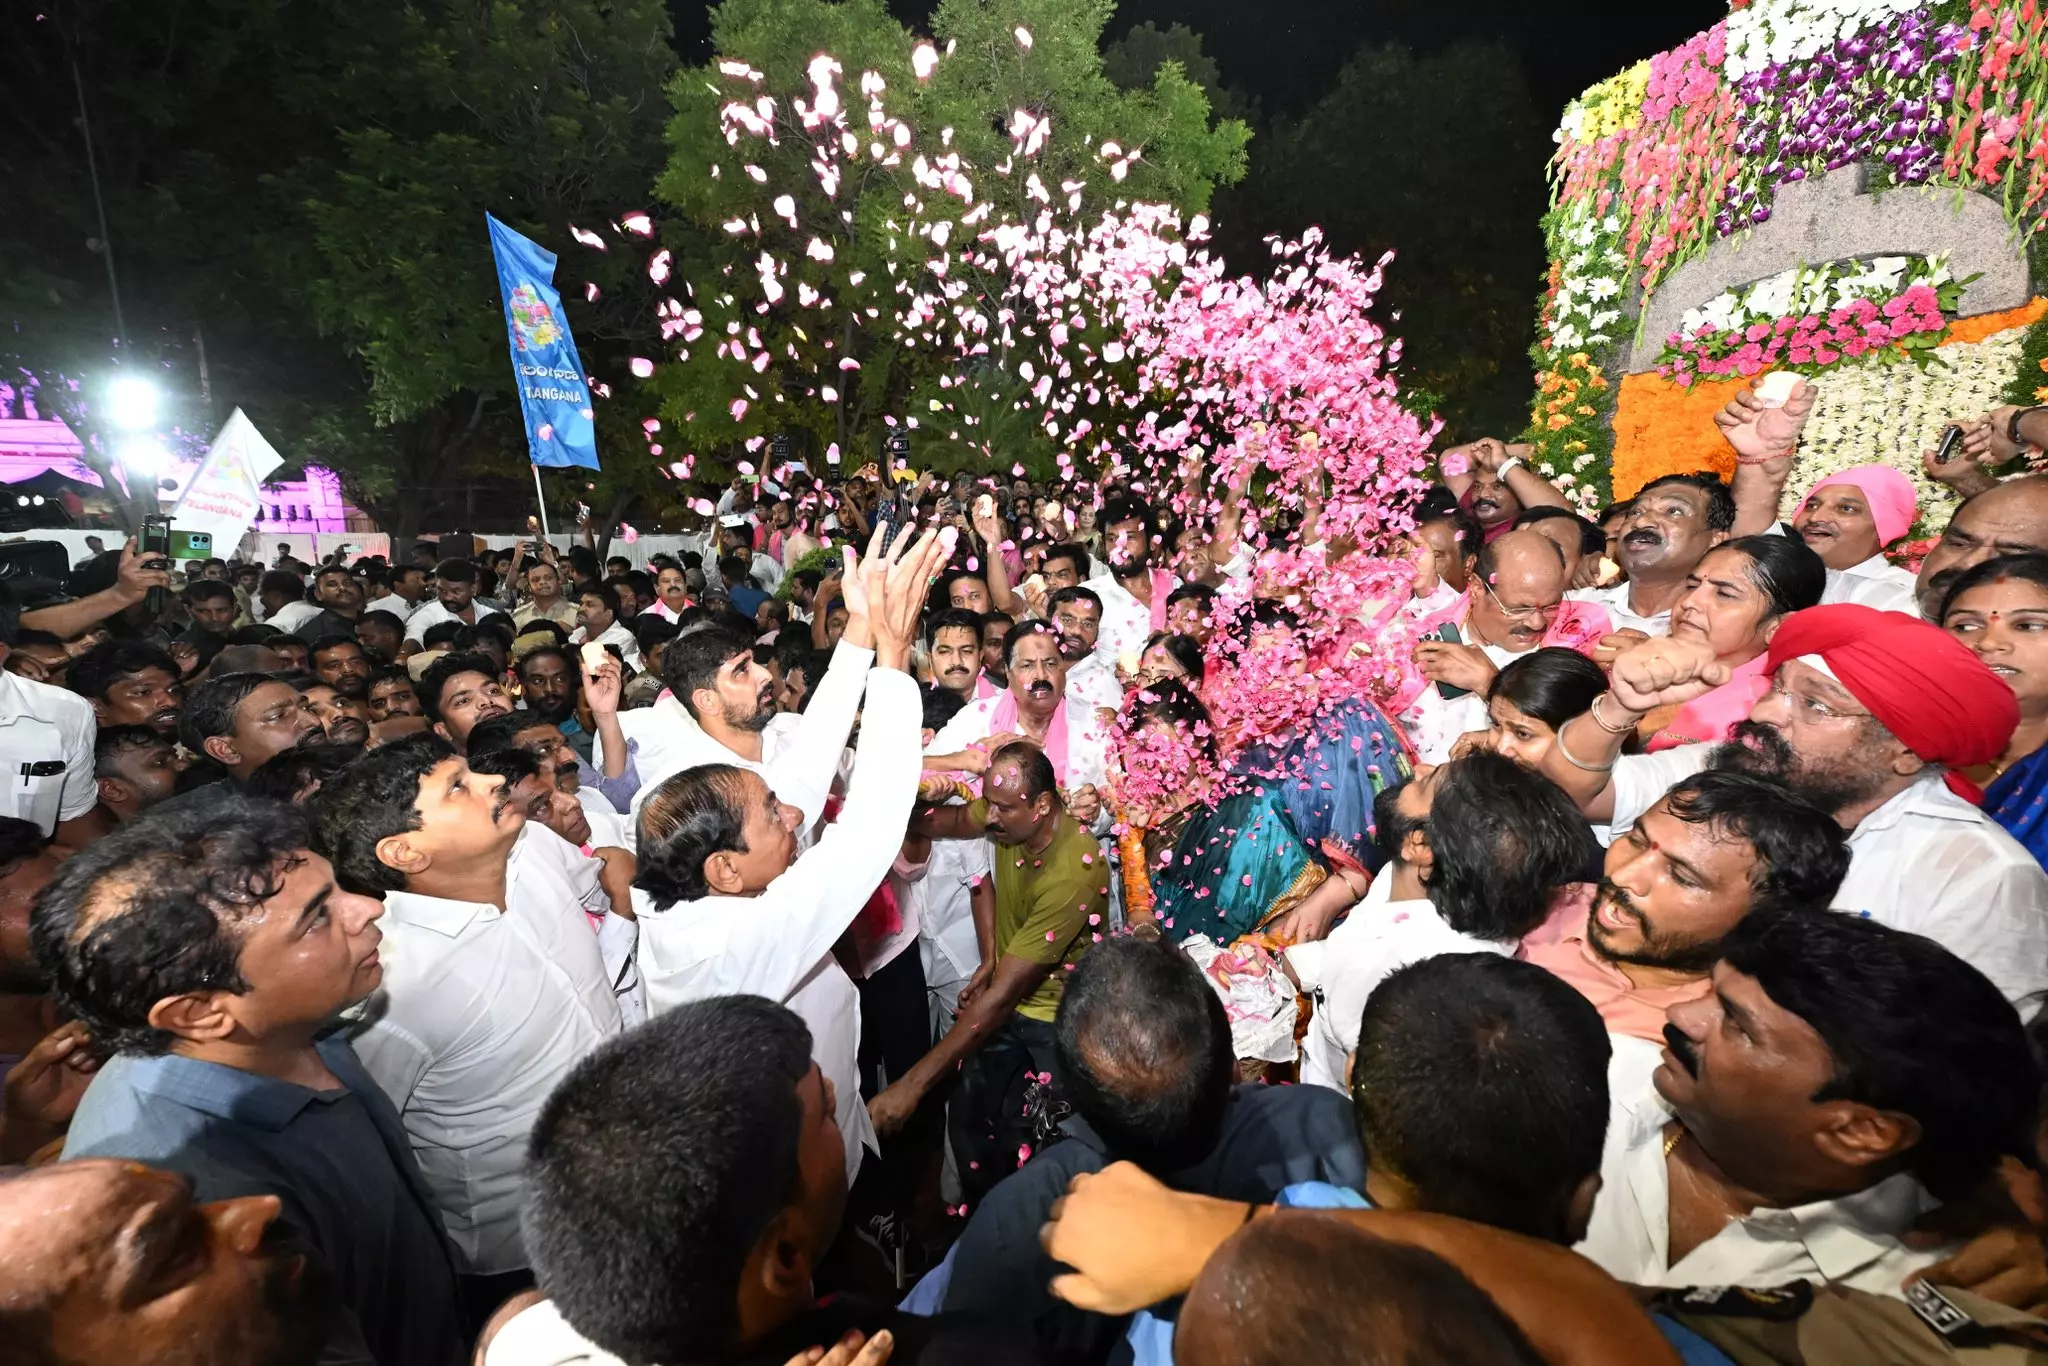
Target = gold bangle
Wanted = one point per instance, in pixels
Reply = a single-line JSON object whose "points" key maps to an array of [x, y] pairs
{"points": [[1593, 711], [1577, 762]]}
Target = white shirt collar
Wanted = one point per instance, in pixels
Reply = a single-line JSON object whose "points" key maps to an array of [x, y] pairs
{"points": [[1927, 795], [436, 913]]}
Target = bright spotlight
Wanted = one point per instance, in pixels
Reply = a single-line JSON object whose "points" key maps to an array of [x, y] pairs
{"points": [[132, 402], [144, 455]]}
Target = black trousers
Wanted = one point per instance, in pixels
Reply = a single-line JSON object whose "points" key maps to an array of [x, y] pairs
{"points": [[895, 1021]]}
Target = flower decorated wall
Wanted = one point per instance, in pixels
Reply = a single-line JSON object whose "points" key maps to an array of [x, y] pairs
{"points": [[1849, 189]]}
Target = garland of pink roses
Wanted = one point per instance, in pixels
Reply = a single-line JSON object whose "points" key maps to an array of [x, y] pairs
{"points": [[1909, 321]]}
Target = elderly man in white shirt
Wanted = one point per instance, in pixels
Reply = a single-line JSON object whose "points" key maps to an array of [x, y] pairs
{"points": [[1515, 588], [1838, 1080], [1479, 847], [729, 904], [1869, 714], [493, 988]]}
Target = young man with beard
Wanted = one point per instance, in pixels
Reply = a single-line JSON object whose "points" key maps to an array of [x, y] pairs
{"points": [[129, 683], [1716, 848], [956, 654], [455, 600], [1091, 679], [555, 689], [337, 602], [382, 636], [495, 989], [995, 631], [136, 767], [209, 952], [343, 720], [1671, 524], [1869, 715], [1133, 594], [340, 662]]}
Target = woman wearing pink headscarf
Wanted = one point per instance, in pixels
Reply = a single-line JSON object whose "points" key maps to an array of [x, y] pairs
{"points": [[1848, 519]]}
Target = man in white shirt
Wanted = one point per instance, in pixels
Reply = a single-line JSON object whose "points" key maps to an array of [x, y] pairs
{"points": [[337, 602], [1671, 525], [727, 907], [1840, 1077], [598, 611], [455, 600], [46, 759], [1477, 850], [408, 591], [1133, 593], [492, 990], [1869, 714], [1091, 678], [1516, 585]]}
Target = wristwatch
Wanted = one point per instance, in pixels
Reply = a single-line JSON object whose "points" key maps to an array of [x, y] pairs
{"points": [[1500, 471], [2012, 425]]}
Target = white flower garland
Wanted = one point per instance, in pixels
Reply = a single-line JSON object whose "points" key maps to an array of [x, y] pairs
{"points": [[1870, 410], [1592, 285], [1809, 290], [1772, 32]]}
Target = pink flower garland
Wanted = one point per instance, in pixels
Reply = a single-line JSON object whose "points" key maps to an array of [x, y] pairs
{"points": [[1814, 340]]}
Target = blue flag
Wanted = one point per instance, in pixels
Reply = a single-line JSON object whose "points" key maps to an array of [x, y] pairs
{"points": [[552, 391]]}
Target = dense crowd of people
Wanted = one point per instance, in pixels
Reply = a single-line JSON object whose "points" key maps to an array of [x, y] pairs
{"points": [[952, 919]]}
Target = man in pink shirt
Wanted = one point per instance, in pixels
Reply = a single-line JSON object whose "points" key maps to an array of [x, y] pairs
{"points": [[1711, 850]]}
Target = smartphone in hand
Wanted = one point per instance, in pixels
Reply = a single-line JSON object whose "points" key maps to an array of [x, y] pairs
{"points": [[1448, 633], [1951, 444]]}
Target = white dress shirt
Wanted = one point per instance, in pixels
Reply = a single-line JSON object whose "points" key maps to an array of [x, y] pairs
{"points": [[1852, 1241], [615, 634], [1126, 622], [290, 617], [1617, 600], [1087, 757], [538, 1335], [1434, 723], [779, 944], [481, 1012], [1876, 582], [395, 605], [1342, 970], [432, 613], [947, 940], [608, 829], [544, 866], [799, 750], [52, 729], [1091, 682], [1926, 861]]}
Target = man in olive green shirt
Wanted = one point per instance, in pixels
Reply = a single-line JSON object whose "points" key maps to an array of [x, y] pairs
{"points": [[1046, 903]]}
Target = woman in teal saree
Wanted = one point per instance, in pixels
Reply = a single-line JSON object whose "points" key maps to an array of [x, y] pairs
{"points": [[1206, 853]]}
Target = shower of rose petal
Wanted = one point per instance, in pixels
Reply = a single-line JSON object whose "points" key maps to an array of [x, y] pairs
{"points": [[588, 239], [924, 59], [1023, 36], [627, 533], [658, 266], [641, 367], [638, 223]]}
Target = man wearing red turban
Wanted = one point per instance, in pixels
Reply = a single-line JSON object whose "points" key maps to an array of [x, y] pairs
{"points": [[1869, 715]]}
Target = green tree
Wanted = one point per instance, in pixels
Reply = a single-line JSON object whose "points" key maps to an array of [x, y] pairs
{"points": [[1133, 60], [830, 357], [1440, 159]]}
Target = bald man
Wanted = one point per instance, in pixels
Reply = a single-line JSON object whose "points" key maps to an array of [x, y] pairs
{"points": [[1518, 582], [2008, 519]]}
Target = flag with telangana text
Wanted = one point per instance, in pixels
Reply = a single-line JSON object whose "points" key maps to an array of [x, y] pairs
{"points": [[553, 394]]}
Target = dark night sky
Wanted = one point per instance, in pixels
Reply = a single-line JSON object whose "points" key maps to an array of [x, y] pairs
{"points": [[1287, 52]]}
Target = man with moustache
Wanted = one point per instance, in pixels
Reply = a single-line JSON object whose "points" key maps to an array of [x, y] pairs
{"points": [[209, 952], [1715, 848], [343, 720], [337, 602], [2008, 519], [495, 989], [240, 722], [1518, 584], [1671, 524], [1870, 716], [135, 767], [956, 654], [1035, 707], [390, 693], [553, 689], [1838, 1075]]}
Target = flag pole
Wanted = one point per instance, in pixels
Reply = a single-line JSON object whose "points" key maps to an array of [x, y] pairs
{"points": [[543, 498]]}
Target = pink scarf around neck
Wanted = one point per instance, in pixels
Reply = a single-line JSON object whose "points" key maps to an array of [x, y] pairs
{"points": [[1003, 720]]}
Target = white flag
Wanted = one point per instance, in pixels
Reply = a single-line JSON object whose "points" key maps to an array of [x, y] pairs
{"points": [[226, 491]]}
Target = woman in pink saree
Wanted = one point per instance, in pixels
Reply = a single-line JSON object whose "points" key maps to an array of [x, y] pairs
{"points": [[1735, 600]]}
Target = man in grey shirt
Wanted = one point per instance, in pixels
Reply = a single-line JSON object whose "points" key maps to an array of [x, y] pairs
{"points": [[207, 951]]}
